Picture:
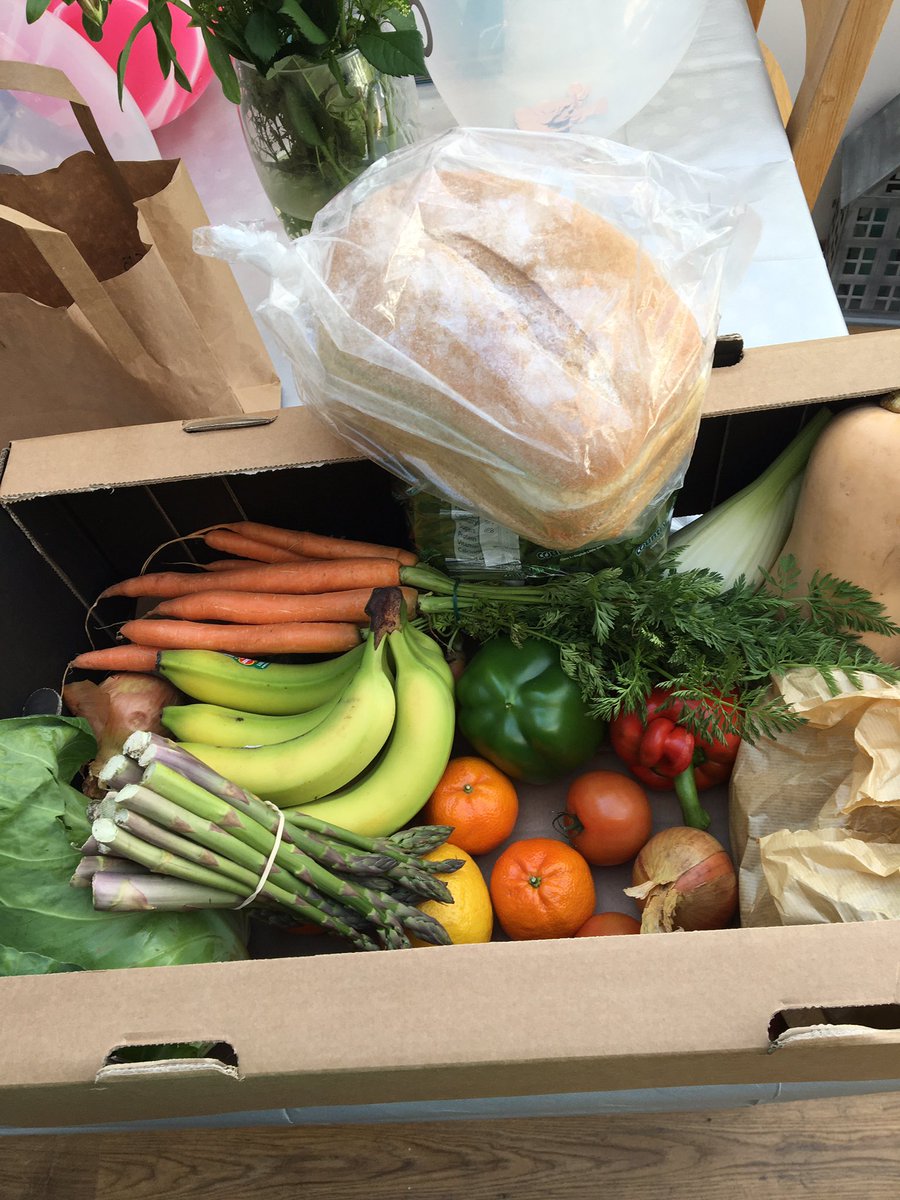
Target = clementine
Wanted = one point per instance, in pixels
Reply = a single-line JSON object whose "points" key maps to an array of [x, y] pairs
{"points": [[608, 924], [541, 888], [478, 801]]}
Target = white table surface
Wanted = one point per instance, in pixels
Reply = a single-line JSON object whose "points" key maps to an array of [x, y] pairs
{"points": [[716, 111]]}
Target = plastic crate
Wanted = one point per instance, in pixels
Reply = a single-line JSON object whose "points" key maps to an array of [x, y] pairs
{"points": [[863, 253]]}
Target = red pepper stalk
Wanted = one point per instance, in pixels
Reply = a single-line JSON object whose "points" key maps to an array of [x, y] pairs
{"points": [[663, 754]]}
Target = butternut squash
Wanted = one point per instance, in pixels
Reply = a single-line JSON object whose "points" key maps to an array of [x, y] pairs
{"points": [[847, 520]]}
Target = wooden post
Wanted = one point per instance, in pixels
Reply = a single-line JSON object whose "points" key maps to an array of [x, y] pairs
{"points": [[841, 36]]}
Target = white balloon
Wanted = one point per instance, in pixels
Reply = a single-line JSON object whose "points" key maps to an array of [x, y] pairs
{"points": [[554, 64]]}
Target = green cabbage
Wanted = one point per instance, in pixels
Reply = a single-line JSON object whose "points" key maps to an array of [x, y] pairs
{"points": [[45, 924]]}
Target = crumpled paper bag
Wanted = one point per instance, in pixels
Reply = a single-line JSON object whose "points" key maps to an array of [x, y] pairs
{"points": [[815, 814]]}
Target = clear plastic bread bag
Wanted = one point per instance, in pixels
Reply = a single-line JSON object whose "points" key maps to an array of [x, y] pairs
{"points": [[520, 324]]}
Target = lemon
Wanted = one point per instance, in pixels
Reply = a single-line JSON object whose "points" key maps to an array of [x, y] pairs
{"points": [[470, 918]]}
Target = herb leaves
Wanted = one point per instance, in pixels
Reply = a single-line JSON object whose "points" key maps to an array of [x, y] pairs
{"points": [[625, 630]]}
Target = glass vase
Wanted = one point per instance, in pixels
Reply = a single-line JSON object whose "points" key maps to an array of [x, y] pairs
{"points": [[310, 132]]}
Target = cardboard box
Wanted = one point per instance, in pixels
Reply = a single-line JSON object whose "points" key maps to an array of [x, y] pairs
{"points": [[507, 1019]]}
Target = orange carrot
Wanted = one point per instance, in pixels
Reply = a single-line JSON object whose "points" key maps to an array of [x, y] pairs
{"points": [[229, 564], [118, 658], [317, 546], [298, 578], [299, 637], [245, 547], [267, 608], [225, 564]]}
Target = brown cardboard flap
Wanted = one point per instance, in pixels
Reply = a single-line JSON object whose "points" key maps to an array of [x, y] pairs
{"points": [[438, 1023], [768, 377], [842, 368], [146, 454]]}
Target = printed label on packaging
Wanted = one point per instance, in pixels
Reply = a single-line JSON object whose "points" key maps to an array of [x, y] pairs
{"points": [[479, 542]]}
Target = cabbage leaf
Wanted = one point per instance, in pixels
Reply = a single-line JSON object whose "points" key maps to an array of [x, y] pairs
{"points": [[45, 924]]}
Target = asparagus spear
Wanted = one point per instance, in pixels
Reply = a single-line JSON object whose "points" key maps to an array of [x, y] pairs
{"points": [[92, 864], [421, 839], [117, 771], [140, 892], [91, 847], [182, 847]]}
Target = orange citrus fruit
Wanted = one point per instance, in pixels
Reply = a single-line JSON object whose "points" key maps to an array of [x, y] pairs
{"points": [[608, 924], [478, 801], [541, 888], [470, 918]]}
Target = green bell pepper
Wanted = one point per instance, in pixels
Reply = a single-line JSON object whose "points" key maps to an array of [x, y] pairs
{"points": [[523, 713]]}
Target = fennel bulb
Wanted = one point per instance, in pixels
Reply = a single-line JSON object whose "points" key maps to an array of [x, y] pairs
{"points": [[745, 534]]}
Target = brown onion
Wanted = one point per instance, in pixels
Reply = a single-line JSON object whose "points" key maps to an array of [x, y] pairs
{"points": [[115, 708], [683, 879]]}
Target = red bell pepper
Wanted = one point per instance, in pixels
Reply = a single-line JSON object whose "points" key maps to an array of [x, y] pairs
{"points": [[661, 753]]}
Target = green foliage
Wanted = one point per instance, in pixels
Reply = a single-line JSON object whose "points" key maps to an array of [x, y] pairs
{"points": [[261, 32], [35, 9], [393, 52], [625, 630], [45, 924]]}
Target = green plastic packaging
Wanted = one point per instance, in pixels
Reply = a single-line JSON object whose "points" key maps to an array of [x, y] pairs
{"points": [[467, 546]]}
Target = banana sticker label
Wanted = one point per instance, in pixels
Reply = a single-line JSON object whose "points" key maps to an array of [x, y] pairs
{"points": [[250, 662]]}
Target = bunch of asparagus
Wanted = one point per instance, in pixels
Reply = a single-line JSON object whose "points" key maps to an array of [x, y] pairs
{"points": [[172, 834]]}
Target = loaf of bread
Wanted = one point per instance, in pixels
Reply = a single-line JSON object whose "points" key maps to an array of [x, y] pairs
{"points": [[524, 357]]}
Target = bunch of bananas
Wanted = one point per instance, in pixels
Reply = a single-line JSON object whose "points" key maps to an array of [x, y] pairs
{"points": [[359, 741]]}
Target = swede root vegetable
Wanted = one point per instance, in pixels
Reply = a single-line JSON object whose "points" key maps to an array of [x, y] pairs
{"points": [[684, 879], [294, 637]]}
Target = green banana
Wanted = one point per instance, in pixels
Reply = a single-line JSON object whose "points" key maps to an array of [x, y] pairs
{"points": [[214, 725], [430, 652], [277, 689], [329, 755], [399, 782]]}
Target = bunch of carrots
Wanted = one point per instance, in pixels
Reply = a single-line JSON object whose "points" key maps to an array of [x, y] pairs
{"points": [[279, 591]]}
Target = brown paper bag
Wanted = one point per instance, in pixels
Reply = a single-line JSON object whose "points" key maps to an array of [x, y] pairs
{"points": [[815, 814], [107, 317]]}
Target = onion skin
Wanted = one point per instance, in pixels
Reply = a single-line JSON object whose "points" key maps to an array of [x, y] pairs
{"points": [[115, 708], [684, 879]]}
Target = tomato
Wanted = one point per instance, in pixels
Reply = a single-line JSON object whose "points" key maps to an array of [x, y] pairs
{"points": [[607, 818], [608, 924]]}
